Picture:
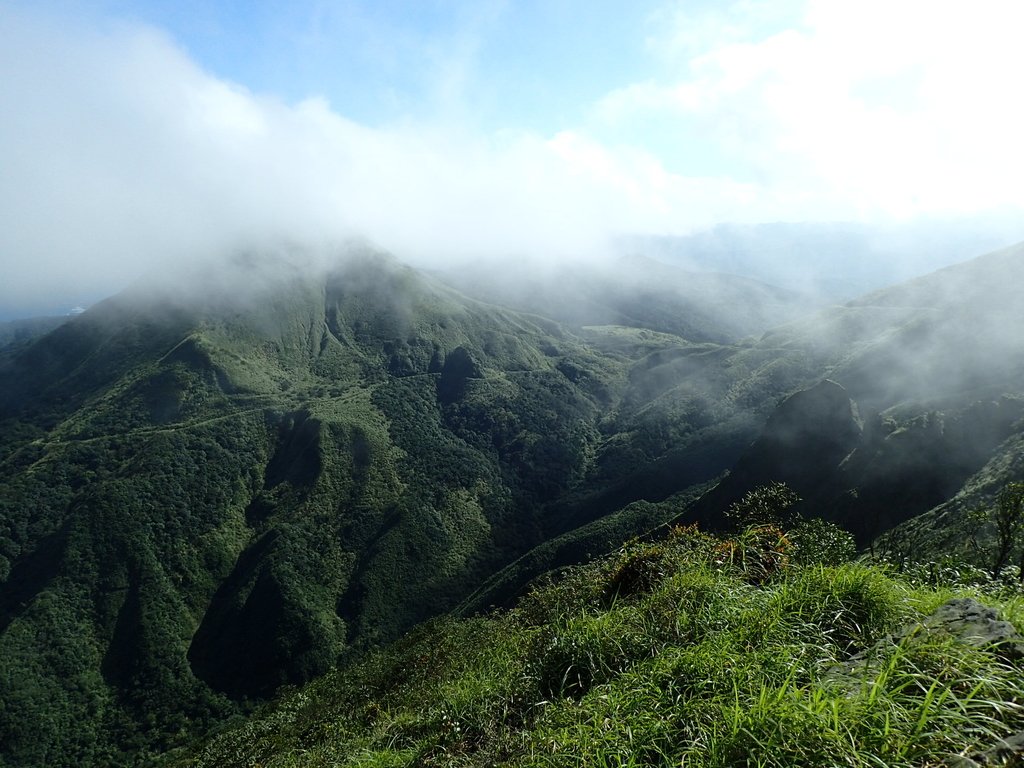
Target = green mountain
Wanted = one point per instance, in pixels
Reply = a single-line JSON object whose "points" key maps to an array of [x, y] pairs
{"points": [[213, 488], [904, 405], [933, 369]]}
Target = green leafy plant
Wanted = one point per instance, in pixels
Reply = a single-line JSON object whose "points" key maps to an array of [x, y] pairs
{"points": [[1008, 518], [818, 541], [756, 660], [767, 504]]}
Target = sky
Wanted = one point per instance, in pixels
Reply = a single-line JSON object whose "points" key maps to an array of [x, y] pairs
{"points": [[138, 134]]}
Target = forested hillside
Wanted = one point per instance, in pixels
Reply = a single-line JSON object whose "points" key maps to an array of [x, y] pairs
{"points": [[213, 488]]}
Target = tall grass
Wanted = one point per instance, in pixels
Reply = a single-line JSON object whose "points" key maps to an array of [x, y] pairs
{"points": [[682, 652]]}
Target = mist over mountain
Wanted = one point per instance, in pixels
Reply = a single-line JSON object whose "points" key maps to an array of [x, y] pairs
{"points": [[806, 264], [214, 486], [874, 411], [835, 260], [395, 308], [637, 292]]}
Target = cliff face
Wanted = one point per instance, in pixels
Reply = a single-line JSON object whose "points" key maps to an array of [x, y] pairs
{"points": [[803, 444], [804, 440], [868, 478]]}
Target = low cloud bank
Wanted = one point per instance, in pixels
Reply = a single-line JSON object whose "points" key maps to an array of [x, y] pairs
{"points": [[120, 154]]}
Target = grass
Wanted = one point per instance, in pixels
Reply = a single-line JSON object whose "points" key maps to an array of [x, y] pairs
{"points": [[664, 654]]}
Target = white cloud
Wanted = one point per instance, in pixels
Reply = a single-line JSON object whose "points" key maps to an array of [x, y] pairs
{"points": [[119, 153], [863, 107]]}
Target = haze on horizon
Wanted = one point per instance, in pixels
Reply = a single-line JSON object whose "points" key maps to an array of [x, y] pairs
{"points": [[137, 134]]}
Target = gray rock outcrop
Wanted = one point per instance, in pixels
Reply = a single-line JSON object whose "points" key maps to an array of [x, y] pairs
{"points": [[963, 620]]}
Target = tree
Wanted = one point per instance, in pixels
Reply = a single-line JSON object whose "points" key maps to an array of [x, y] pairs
{"points": [[820, 542], [1008, 517]]}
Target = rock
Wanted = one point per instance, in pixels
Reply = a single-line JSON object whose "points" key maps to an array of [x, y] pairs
{"points": [[963, 619], [1008, 751], [975, 625], [1005, 753], [966, 621], [959, 761]]}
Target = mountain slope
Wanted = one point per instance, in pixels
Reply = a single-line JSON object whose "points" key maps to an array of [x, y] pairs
{"points": [[22, 331], [211, 489], [841, 260], [874, 412], [204, 500]]}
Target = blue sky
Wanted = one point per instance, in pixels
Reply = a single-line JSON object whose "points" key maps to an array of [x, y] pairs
{"points": [[519, 65], [137, 133], [482, 67]]}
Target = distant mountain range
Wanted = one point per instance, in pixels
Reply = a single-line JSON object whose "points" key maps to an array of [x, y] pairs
{"points": [[212, 489], [24, 330], [836, 260]]}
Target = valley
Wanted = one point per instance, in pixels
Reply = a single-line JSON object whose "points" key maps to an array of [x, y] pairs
{"points": [[213, 490]]}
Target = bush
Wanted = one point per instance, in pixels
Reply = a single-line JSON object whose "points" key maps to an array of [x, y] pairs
{"points": [[637, 572], [818, 542], [769, 504], [759, 553]]}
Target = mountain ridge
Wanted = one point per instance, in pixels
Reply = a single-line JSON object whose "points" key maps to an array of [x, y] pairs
{"points": [[227, 492]]}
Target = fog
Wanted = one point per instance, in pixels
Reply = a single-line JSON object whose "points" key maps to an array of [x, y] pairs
{"points": [[120, 154], [833, 260]]}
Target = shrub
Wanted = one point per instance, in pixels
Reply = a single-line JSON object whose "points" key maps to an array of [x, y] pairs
{"points": [[759, 553], [769, 504], [818, 542], [637, 571]]}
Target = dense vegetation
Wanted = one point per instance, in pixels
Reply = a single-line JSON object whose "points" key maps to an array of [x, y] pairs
{"points": [[209, 493], [760, 648]]}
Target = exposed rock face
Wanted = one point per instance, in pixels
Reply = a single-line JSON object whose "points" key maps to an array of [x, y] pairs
{"points": [[963, 619], [976, 625], [459, 365], [817, 427]]}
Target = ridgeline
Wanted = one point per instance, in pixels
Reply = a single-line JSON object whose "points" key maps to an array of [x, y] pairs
{"points": [[214, 489]]}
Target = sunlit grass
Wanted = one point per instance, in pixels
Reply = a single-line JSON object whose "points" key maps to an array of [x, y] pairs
{"points": [[698, 663]]}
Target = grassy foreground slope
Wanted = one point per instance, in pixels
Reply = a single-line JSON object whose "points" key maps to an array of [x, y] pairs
{"points": [[692, 650]]}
